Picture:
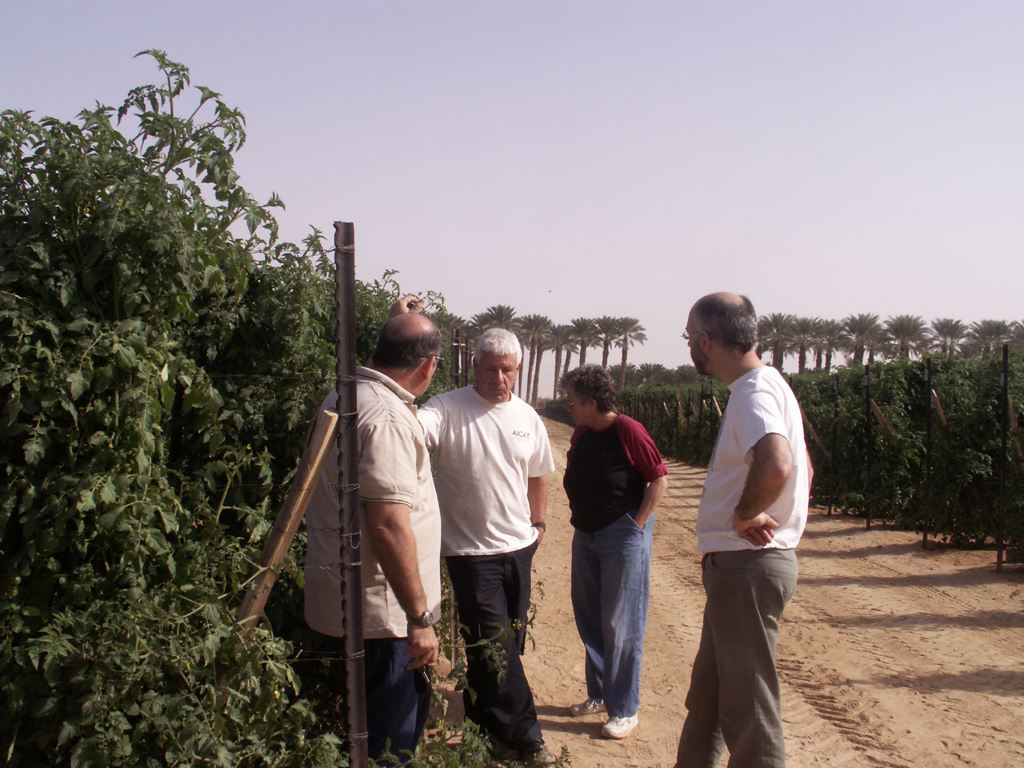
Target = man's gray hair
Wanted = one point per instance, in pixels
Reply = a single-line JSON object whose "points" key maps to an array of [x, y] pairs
{"points": [[498, 341], [729, 323]]}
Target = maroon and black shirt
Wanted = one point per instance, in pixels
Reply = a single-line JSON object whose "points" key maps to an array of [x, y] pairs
{"points": [[607, 472]]}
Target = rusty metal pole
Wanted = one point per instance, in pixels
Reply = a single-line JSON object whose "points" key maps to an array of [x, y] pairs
{"points": [[348, 493], [1004, 403], [867, 432], [926, 517], [833, 469]]}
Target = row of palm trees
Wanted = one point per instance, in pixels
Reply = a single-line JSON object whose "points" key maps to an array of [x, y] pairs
{"points": [[899, 336], [539, 334]]}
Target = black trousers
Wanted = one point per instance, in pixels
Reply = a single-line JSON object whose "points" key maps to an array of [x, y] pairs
{"points": [[492, 591]]}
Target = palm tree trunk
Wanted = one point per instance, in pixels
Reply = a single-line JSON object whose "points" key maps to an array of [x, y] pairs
{"points": [[536, 376], [558, 368], [529, 370]]}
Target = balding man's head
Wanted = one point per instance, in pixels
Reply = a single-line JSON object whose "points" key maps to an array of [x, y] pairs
{"points": [[406, 341], [728, 319]]}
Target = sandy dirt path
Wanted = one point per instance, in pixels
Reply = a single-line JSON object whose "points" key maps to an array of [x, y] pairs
{"points": [[889, 655]]}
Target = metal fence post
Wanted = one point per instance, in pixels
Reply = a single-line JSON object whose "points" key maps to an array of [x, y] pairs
{"points": [[1003, 418], [867, 432], [348, 493]]}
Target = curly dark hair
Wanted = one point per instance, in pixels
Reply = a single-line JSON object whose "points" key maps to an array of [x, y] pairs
{"points": [[591, 382]]}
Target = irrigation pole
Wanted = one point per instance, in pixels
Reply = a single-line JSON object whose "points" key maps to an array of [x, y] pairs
{"points": [[832, 466], [1004, 397], [348, 494], [926, 517], [867, 432]]}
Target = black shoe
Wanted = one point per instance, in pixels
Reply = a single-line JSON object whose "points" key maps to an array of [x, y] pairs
{"points": [[532, 756], [537, 755]]}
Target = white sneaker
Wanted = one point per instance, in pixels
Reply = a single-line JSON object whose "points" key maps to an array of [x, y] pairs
{"points": [[588, 707], [620, 727]]}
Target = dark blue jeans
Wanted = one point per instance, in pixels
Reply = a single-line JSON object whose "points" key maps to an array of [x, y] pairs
{"points": [[397, 699], [491, 591], [611, 585]]}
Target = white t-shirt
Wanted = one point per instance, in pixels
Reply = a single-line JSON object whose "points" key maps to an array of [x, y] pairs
{"points": [[760, 403], [484, 454]]}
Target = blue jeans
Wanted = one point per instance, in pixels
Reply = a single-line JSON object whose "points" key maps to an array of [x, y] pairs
{"points": [[611, 575], [397, 699]]}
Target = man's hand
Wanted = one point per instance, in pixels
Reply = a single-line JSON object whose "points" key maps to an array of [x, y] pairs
{"points": [[406, 304], [422, 645], [759, 530]]}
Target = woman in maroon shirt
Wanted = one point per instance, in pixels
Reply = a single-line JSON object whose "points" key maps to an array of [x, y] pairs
{"points": [[614, 479]]}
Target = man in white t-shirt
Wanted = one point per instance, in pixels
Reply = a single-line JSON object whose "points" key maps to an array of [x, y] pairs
{"points": [[492, 456], [751, 516]]}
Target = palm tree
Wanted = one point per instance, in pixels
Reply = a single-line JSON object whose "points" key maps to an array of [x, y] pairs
{"points": [[498, 316], [543, 343], [685, 374], [632, 374], [651, 374], [533, 328], [908, 334], [832, 337], [865, 333], [1017, 336], [775, 332], [585, 334], [804, 336], [986, 336], [561, 340], [608, 327], [630, 332], [947, 334]]}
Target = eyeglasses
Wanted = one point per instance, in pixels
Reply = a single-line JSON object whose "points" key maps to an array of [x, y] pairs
{"points": [[571, 403], [438, 358]]}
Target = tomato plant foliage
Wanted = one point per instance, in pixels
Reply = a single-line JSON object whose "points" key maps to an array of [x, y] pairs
{"points": [[158, 374]]}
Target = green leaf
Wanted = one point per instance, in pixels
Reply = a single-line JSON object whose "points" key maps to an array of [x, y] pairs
{"points": [[108, 494], [78, 385], [86, 502], [35, 448]]}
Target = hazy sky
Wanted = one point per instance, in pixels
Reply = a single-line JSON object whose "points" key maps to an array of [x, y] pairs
{"points": [[604, 158]]}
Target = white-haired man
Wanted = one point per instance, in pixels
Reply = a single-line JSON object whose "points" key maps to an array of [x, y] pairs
{"points": [[492, 457]]}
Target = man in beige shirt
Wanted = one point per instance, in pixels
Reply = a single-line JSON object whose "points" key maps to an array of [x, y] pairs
{"points": [[400, 550]]}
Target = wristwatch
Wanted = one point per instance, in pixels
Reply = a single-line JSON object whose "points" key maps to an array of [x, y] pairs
{"points": [[424, 620]]}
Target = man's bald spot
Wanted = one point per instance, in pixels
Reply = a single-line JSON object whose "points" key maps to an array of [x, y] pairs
{"points": [[409, 326], [406, 341]]}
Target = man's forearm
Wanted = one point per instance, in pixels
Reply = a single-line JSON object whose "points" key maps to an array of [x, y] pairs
{"points": [[537, 496]]}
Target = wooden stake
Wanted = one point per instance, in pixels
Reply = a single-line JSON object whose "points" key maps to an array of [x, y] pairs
{"points": [[314, 457]]}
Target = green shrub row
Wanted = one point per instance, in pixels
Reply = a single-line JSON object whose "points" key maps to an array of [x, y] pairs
{"points": [[962, 502]]}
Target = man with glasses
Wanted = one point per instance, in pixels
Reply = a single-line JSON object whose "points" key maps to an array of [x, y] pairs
{"points": [[401, 523], [751, 516]]}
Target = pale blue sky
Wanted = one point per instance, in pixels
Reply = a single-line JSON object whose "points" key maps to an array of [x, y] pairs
{"points": [[590, 158]]}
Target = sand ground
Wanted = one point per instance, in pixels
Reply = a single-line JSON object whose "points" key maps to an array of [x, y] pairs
{"points": [[889, 655]]}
